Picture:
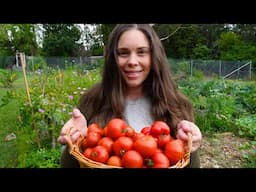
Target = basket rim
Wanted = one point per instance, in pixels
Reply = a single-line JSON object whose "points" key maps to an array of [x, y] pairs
{"points": [[74, 150]]}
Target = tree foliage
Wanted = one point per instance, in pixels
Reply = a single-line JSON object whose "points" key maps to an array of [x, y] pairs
{"points": [[61, 40], [18, 37]]}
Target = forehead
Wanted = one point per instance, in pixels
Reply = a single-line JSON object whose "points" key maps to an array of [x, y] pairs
{"points": [[133, 38]]}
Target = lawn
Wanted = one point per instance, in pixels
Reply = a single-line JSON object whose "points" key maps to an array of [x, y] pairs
{"points": [[8, 119]]}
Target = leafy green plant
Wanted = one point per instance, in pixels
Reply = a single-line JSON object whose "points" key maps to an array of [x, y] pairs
{"points": [[250, 157], [41, 158], [247, 126], [7, 78]]}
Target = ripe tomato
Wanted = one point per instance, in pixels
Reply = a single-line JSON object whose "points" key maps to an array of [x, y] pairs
{"points": [[174, 150], [145, 130], [129, 131], [116, 128], [132, 159], [162, 140], [91, 140], [145, 145], [121, 145], [159, 128], [115, 161], [157, 160], [105, 131], [95, 127], [108, 143], [99, 154], [137, 136], [87, 152]]}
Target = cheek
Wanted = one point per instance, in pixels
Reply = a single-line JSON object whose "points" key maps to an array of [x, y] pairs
{"points": [[120, 63], [147, 67]]}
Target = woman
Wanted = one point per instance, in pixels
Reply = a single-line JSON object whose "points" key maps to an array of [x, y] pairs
{"points": [[136, 86]]}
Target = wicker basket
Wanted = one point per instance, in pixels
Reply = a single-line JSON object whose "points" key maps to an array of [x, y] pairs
{"points": [[75, 150]]}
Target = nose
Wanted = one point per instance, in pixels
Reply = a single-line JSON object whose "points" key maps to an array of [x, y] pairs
{"points": [[133, 59]]}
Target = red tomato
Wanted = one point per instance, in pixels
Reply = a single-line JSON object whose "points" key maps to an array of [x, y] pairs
{"points": [[159, 150], [137, 136], [145, 145], [157, 160], [87, 152], [145, 130], [95, 127], [162, 140], [115, 161], [99, 154], [108, 143], [159, 128], [121, 145], [116, 128], [105, 131], [174, 150], [129, 131], [91, 140], [132, 159]]}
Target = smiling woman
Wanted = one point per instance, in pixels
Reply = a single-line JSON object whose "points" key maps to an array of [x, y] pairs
{"points": [[134, 60], [136, 86]]}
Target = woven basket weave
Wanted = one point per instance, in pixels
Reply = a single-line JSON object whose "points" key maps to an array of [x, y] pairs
{"points": [[76, 151]]}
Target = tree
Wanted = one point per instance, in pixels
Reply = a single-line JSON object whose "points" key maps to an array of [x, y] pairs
{"points": [[105, 30], [21, 37], [179, 39], [61, 40], [5, 48], [93, 39], [246, 31]]}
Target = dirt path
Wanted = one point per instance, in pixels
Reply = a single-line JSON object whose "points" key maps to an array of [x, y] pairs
{"points": [[222, 150]]}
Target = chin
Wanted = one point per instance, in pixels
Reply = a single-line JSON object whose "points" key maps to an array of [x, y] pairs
{"points": [[133, 85]]}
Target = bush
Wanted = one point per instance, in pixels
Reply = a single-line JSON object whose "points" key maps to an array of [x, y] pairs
{"points": [[42, 158]]}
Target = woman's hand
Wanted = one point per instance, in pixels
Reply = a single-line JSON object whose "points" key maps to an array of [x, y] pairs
{"points": [[183, 128], [77, 125]]}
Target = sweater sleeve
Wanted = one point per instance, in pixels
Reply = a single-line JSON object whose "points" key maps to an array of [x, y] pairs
{"points": [[67, 160], [194, 160]]}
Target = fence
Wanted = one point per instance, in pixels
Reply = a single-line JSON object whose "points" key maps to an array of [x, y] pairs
{"points": [[38, 62], [210, 68]]}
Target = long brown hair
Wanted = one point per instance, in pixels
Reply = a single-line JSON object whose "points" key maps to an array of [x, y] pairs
{"points": [[105, 100]]}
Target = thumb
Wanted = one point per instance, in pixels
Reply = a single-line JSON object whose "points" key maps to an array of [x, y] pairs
{"points": [[76, 113]]}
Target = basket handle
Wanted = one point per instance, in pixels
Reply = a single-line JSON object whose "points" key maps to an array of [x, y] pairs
{"points": [[189, 141]]}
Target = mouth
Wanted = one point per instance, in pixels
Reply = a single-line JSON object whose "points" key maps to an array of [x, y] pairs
{"points": [[132, 74]]}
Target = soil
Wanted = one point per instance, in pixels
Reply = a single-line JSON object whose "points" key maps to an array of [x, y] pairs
{"points": [[223, 150]]}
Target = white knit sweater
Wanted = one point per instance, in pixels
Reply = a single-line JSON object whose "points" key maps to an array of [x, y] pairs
{"points": [[137, 113]]}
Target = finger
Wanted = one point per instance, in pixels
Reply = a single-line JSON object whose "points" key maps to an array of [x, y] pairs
{"points": [[73, 130], [75, 136], [185, 126], [62, 140], [182, 135], [66, 127], [76, 113], [83, 132]]}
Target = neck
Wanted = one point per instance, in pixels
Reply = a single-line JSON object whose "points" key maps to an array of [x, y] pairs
{"points": [[134, 93]]}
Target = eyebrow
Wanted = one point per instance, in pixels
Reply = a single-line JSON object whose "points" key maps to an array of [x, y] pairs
{"points": [[124, 48]]}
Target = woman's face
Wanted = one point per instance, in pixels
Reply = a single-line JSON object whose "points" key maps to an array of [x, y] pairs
{"points": [[134, 57]]}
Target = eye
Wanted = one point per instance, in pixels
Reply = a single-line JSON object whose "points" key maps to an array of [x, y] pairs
{"points": [[143, 52], [122, 53]]}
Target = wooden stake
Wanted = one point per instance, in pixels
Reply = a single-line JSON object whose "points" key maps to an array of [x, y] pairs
{"points": [[23, 65]]}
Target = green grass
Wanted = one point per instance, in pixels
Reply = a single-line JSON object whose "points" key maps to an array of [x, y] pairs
{"points": [[8, 119]]}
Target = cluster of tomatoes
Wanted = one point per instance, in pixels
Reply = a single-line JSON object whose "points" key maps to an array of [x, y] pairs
{"points": [[118, 144]]}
